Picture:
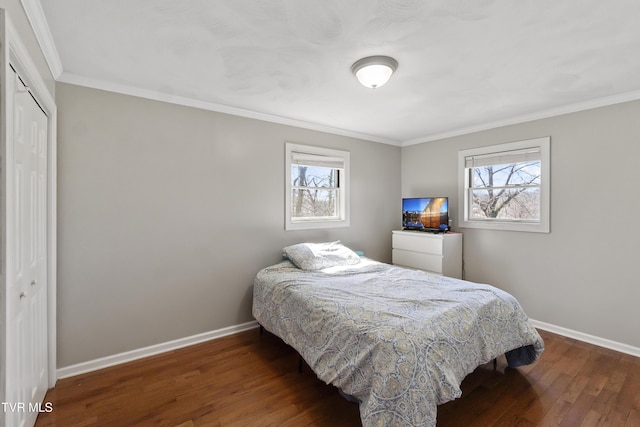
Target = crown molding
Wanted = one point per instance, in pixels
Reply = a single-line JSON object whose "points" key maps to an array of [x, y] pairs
{"points": [[37, 19], [35, 15], [543, 114], [236, 111], [77, 80]]}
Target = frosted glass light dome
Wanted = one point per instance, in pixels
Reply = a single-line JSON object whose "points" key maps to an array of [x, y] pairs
{"points": [[374, 71]]}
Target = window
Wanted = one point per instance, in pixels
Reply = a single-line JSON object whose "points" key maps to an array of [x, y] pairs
{"points": [[506, 187], [317, 186]]}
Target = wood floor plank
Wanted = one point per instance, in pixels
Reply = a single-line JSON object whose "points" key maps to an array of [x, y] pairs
{"points": [[633, 420], [252, 379]]}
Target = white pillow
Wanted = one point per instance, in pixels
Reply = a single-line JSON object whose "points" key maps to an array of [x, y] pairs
{"points": [[316, 256]]}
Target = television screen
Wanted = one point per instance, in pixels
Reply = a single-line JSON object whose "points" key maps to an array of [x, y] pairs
{"points": [[425, 213]]}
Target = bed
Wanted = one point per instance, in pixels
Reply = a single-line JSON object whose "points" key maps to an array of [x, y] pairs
{"points": [[397, 341]]}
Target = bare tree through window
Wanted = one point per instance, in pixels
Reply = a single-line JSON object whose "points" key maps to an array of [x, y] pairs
{"points": [[314, 191], [317, 187], [506, 186], [509, 191]]}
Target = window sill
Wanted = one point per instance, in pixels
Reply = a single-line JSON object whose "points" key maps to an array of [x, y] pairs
{"points": [[314, 225], [531, 227]]}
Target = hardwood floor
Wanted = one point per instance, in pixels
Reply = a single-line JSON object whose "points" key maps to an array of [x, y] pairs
{"points": [[250, 379]]}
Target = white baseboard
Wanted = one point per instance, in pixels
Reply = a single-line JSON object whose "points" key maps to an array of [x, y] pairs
{"points": [[128, 356], [116, 359], [591, 339]]}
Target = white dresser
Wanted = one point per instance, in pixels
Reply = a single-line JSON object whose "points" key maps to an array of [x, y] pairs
{"points": [[437, 253]]}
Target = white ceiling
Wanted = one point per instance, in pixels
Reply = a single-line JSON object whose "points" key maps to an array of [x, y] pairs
{"points": [[463, 64]]}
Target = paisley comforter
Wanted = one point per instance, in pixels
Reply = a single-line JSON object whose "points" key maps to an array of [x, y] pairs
{"points": [[399, 341]]}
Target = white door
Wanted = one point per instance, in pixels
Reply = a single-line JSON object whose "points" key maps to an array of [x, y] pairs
{"points": [[26, 361]]}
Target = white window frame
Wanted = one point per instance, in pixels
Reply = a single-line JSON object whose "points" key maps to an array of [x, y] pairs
{"points": [[342, 220], [537, 226]]}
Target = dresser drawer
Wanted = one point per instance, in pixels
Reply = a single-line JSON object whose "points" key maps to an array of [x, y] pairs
{"points": [[418, 260], [417, 242]]}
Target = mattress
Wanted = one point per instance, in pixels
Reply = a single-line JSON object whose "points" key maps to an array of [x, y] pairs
{"points": [[398, 341]]}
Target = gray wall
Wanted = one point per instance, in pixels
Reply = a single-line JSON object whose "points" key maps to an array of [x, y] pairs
{"points": [[150, 193], [582, 276], [166, 213]]}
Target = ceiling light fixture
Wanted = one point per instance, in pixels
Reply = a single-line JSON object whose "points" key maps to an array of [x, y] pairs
{"points": [[374, 71]]}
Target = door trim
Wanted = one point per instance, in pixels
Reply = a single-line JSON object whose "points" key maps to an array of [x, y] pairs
{"points": [[15, 54]]}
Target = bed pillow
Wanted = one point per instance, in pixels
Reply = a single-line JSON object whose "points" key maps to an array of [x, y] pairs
{"points": [[316, 256]]}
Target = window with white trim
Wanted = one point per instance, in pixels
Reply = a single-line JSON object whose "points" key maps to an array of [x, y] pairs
{"points": [[506, 186], [317, 187]]}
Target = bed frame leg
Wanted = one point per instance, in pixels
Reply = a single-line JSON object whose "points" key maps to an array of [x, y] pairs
{"points": [[495, 363], [261, 329]]}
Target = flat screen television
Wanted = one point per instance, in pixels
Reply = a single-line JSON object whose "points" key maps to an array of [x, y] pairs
{"points": [[426, 214]]}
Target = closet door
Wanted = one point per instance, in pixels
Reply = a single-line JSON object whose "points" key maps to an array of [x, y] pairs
{"points": [[27, 363]]}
